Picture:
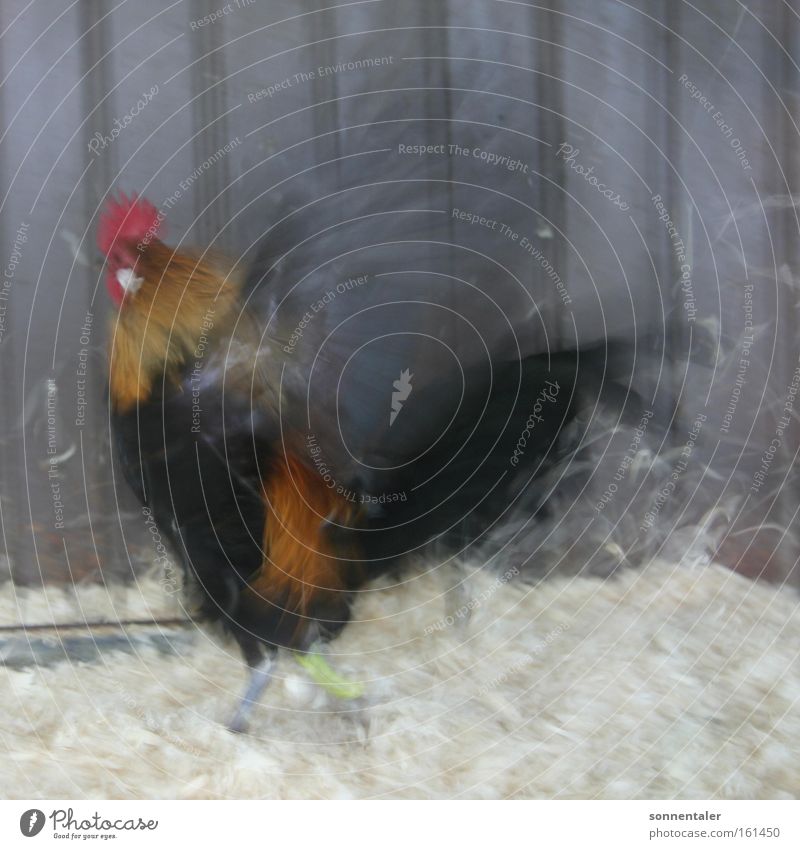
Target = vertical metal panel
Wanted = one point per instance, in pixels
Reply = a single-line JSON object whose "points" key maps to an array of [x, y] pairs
{"points": [[249, 128], [47, 290]]}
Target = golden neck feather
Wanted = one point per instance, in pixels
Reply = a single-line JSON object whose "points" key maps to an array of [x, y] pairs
{"points": [[182, 302]]}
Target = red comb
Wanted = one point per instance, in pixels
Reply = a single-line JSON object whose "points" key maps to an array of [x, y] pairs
{"points": [[127, 218]]}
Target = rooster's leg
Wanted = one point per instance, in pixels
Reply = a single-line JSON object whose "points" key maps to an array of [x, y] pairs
{"points": [[260, 676]]}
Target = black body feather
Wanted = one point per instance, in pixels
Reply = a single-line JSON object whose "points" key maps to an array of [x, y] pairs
{"points": [[199, 472]]}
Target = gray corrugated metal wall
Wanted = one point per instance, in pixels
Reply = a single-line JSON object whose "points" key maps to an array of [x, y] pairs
{"points": [[617, 81]]}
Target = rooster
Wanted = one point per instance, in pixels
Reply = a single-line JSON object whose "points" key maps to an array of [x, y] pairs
{"points": [[208, 443]]}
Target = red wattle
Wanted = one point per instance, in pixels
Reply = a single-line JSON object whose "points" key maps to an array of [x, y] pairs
{"points": [[114, 289]]}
